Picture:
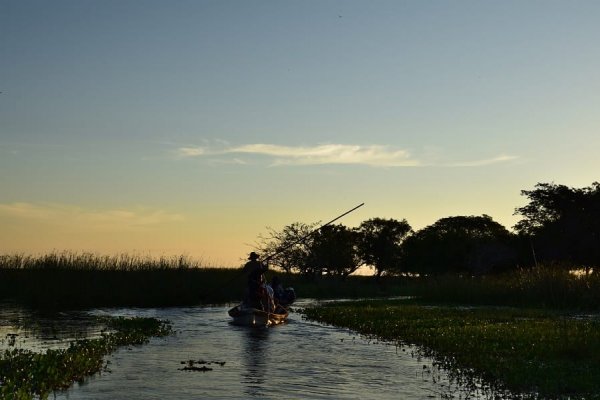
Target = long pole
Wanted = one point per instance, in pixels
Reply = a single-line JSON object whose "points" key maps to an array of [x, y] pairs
{"points": [[298, 241], [302, 239]]}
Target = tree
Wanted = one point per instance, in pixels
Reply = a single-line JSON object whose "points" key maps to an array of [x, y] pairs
{"points": [[332, 252], [473, 244], [379, 243], [289, 247], [563, 223]]}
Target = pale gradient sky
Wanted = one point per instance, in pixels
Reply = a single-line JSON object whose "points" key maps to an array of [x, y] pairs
{"points": [[188, 127]]}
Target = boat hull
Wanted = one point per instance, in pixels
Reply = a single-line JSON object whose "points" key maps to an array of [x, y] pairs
{"points": [[248, 316]]}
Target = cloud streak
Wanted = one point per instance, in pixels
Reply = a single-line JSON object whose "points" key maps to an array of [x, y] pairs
{"points": [[62, 214], [478, 163], [191, 151], [327, 154], [373, 155]]}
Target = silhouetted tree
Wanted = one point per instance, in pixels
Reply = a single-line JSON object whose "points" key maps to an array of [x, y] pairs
{"points": [[290, 246], [298, 248], [474, 244], [379, 243], [563, 223], [332, 252]]}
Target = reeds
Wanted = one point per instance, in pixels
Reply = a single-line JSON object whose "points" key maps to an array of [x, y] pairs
{"points": [[67, 260], [82, 280], [548, 286]]}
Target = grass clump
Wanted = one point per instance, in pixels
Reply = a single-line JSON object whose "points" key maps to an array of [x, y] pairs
{"points": [[533, 353], [25, 374]]}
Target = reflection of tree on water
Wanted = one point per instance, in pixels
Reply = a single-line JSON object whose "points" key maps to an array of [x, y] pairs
{"points": [[255, 360]]}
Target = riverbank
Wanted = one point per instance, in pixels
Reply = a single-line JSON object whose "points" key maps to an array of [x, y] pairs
{"points": [[531, 352], [25, 374]]}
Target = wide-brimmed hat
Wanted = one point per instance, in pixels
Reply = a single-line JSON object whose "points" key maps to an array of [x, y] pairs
{"points": [[253, 256]]}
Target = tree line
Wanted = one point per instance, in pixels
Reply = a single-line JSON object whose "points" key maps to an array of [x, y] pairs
{"points": [[559, 225]]}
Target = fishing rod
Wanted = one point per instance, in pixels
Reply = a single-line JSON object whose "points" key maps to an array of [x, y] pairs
{"points": [[302, 239]]}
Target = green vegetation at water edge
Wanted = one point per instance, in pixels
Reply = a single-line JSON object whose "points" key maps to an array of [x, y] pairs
{"points": [[25, 374], [532, 353]]}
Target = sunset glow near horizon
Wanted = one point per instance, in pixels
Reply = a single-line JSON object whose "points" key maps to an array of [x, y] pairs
{"points": [[189, 127]]}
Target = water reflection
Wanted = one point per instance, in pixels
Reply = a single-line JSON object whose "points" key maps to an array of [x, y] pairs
{"points": [[36, 330], [255, 353]]}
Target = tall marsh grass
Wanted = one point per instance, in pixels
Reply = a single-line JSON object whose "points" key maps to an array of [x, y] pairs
{"points": [[81, 280], [90, 261], [546, 286]]}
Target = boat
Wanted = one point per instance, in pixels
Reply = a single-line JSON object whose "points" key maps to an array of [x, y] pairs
{"points": [[250, 316]]}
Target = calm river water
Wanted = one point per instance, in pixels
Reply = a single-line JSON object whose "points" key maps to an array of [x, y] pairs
{"points": [[298, 360]]}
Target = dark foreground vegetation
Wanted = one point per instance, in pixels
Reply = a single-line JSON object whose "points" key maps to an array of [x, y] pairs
{"points": [[80, 281], [25, 374], [548, 287], [525, 352]]}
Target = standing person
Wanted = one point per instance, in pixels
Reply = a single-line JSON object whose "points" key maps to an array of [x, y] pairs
{"points": [[255, 270]]}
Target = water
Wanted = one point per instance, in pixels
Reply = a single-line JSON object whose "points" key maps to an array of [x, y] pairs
{"points": [[38, 331], [300, 359]]}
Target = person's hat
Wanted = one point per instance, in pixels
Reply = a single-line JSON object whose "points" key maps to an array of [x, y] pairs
{"points": [[253, 256]]}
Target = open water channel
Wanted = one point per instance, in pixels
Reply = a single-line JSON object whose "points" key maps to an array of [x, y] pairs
{"points": [[298, 360]]}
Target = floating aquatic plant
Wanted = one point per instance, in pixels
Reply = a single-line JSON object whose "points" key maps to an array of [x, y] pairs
{"points": [[192, 365], [25, 374], [531, 353]]}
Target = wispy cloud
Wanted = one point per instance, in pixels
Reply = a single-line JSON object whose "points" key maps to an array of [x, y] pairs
{"points": [[488, 161], [331, 154], [370, 155], [24, 210], [191, 151], [94, 219]]}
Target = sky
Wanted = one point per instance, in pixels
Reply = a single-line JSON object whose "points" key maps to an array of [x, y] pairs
{"points": [[190, 127]]}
